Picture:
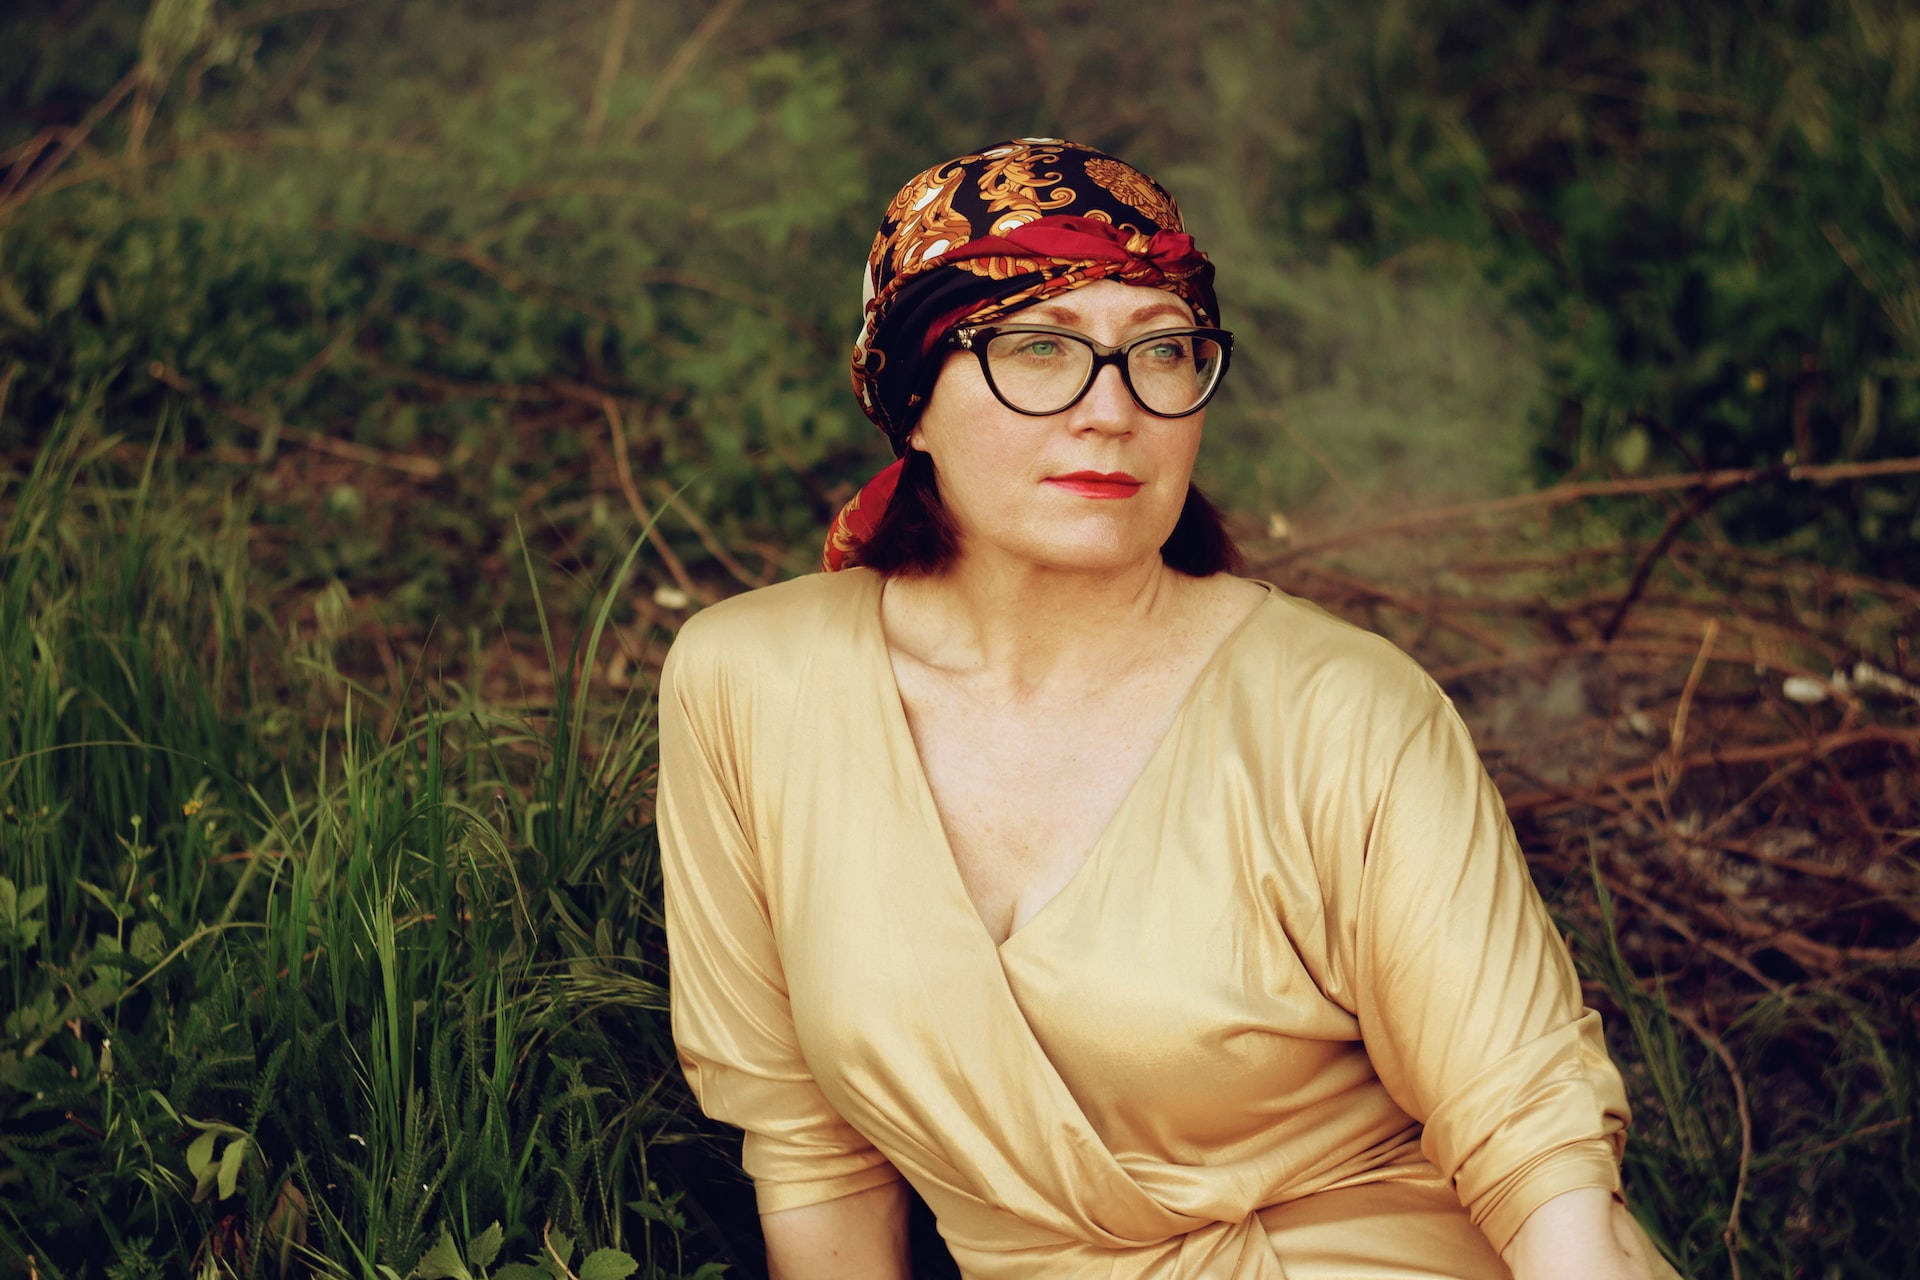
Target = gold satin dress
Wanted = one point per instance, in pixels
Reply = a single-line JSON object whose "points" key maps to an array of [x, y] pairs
{"points": [[1300, 1014]]}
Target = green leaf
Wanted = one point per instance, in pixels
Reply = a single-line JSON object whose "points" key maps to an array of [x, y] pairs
{"points": [[14, 307], [442, 1262], [607, 1264], [560, 1244], [521, 1271], [485, 1247], [147, 943], [230, 1162], [66, 288], [165, 1106], [105, 899], [30, 1019], [200, 1154]]}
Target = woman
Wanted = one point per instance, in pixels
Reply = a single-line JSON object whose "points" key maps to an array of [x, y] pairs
{"points": [[1151, 923]]}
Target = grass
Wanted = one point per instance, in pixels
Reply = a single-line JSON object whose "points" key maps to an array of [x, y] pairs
{"points": [[292, 974], [1783, 1147]]}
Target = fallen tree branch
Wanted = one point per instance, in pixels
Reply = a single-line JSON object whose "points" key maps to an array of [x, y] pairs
{"points": [[319, 442], [1561, 494]]}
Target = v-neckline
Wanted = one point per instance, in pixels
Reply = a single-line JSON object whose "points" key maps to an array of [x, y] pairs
{"points": [[894, 720]]}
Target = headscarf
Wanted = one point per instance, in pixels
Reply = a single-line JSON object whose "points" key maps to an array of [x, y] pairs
{"points": [[980, 236]]}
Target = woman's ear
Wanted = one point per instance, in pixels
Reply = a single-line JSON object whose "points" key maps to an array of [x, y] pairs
{"points": [[914, 441]]}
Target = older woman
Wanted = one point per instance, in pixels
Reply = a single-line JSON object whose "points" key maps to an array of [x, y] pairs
{"points": [[1149, 922]]}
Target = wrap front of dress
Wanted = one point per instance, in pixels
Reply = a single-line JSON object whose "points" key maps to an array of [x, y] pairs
{"points": [[1300, 1013]]}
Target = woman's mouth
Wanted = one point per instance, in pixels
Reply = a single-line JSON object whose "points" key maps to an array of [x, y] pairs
{"points": [[1097, 484]]}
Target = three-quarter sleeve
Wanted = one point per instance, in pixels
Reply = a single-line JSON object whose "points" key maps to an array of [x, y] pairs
{"points": [[1467, 998], [732, 1024]]}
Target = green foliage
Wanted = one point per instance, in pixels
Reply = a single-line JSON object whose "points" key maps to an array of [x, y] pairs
{"points": [[258, 1023], [424, 261], [1708, 216], [1458, 241]]}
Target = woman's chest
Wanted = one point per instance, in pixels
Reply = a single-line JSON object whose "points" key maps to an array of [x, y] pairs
{"points": [[1024, 794], [1174, 985]]}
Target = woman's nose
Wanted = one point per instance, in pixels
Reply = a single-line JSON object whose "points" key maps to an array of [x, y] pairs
{"points": [[1108, 406]]}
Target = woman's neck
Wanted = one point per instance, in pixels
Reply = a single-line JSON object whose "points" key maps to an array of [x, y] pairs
{"points": [[1027, 627]]}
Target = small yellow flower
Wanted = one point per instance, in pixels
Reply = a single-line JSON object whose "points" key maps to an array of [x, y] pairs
{"points": [[191, 807]]}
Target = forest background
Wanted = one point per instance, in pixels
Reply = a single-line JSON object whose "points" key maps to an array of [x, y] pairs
{"points": [[380, 384]]}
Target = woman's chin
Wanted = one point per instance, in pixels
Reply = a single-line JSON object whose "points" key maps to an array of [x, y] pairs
{"points": [[1086, 552]]}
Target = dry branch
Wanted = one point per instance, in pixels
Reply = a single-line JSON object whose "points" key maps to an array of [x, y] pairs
{"points": [[1564, 494]]}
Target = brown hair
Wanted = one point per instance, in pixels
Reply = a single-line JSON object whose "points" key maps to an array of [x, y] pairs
{"points": [[916, 536]]}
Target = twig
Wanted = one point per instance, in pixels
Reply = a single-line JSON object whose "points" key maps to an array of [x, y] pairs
{"points": [[746, 297], [298, 68], [546, 1239], [330, 352], [651, 526], [212, 144], [1436, 616], [477, 258], [1307, 445], [20, 188], [1643, 570], [1679, 736], [1765, 753], [272, 12], [1564, 493], [683, 59], [1730, 1235], [705, 535], [367, 455], [618, 28], [19, 160], [1871, 1131], [1687, 931]]}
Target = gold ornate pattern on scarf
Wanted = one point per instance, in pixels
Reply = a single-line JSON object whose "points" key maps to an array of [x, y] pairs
{"points": [[1128, 185], [841, 542], [923, 221], [1014, 189]]}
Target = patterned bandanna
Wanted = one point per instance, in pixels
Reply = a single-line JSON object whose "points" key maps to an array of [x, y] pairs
{"points": [[981, 236]]}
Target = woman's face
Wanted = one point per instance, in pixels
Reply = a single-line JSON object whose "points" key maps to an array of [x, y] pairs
{"points": [[1023, 486]]}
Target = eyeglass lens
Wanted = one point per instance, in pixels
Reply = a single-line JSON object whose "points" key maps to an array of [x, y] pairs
{"points": [[1042, 373]]}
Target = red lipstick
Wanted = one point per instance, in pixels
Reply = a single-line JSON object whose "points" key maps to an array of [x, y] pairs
{"points": [[1097, 484]]}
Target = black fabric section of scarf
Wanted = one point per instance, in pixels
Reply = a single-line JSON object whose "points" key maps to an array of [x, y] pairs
{"points": [[917, 306]]}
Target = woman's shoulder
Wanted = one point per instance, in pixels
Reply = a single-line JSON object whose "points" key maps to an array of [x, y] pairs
{"points": [[774, 625], [1313, 661]]}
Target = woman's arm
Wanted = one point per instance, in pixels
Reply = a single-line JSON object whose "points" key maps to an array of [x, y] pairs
{"points": [[858, 1237], [1581, 1234]]}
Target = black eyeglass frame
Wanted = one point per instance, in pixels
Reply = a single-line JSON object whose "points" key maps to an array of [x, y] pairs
{"points": [[977, 338]]}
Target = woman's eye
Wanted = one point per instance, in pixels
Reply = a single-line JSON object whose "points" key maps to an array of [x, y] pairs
{"points": [[1040, 348], [1167, 349]]}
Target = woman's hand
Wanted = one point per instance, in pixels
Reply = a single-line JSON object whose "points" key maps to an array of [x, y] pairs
{"points": [[858, 1237], [1582, 1234]]}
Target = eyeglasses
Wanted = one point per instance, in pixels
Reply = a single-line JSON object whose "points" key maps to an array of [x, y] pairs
{"points": [[1037, 369]]}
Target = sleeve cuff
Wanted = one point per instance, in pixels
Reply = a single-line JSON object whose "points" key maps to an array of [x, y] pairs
{"points": [[1584, 1164], [774, 1196]]}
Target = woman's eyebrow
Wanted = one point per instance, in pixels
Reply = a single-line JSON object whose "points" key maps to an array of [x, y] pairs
{"points": [[1158, 308], [1055, 313]]}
